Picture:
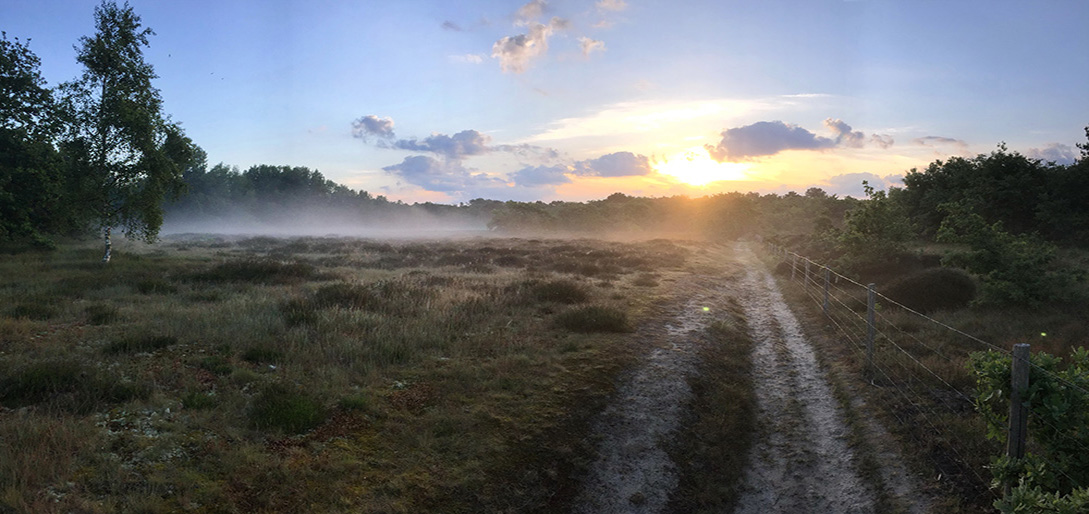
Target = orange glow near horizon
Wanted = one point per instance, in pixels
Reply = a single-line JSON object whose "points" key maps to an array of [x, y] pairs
{"points": [[695, 167]]}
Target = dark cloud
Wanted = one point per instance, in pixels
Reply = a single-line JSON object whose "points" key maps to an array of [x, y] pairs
{"points": [[442, 176], [372, 126], [1054, 152], [939, 141], [619, 164], [458, 146], [765, 138], [844, 135], [449, 25], [533, 176]]}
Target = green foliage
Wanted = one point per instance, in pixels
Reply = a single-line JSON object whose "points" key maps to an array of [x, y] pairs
{"points": [[126, 156], [876, 231], [343, 295], [262, 354], [216, 364], [101, 314], [198, 400], [1034, 499], [933, 290], [594, 318], [1058, 408], [32, 310], [1014, 269], [560, 291], [139, 344], [279, 407]]}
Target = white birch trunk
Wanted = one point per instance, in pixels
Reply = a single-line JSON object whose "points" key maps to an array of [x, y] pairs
{"points": [[106, 257]]}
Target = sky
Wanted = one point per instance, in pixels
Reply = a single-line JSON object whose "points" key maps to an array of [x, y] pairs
{"points": [[577, 99]]}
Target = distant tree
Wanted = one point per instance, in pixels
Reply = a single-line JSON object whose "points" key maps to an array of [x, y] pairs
{"points": [[31, 181], [126, 156]]}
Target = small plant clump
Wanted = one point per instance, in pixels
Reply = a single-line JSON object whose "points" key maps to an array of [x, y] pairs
{"points": [[560, 291], [35, 311], [100, 314], [64, 385], [594, 318], [278, 407]]}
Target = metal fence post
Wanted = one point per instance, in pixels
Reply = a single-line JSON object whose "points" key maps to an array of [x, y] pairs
{"points": [[871, 328], [827, 280], [1019, 382]]}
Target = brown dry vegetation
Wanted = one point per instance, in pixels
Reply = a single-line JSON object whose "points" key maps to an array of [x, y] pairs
{"points": [[318, 374]]}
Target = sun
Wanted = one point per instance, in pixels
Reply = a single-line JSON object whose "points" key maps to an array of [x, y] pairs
{"points": [[695, 167]]}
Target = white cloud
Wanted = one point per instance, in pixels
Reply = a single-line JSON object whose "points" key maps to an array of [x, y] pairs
{"points": [[516, 52], [590, 45], [612, 5], [1054, 152], [468, 58]]}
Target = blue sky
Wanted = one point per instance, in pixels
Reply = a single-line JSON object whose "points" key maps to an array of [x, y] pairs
{"points": [[569, 99]]}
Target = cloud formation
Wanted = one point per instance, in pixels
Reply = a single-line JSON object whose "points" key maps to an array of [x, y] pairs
{"points": [[531, 11], [939, 141], [1054, 152], [590, 45], [882, 140], [844, 135], [371, 125], [765, 138], [458, 146], [619, 164], [535, 176], [515, 52], [449, 25], [850, 184], [612, 5], [443, 176]]}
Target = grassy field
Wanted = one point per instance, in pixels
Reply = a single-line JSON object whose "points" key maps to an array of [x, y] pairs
{"points": [[210, 374]]}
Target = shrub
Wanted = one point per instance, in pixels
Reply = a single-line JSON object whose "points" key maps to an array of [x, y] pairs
{"points": [[197, 400], [560, 291], [281, 408], [262, 354], [155, 286], [348, 296], [140, 344], [594, 318], [299, 311], [101, 314], [933, 290], [65, 385], [36, 311], [216, 364]]}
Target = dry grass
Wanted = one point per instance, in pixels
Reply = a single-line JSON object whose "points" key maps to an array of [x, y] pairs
{"points": [[318, 375]]}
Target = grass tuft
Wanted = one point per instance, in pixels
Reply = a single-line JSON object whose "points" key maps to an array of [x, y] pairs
{"points": [[261, 271], [262, 355], [65, 385], [560, 291], [101, 314], [35, 311], [594, 318], [278, 407]]}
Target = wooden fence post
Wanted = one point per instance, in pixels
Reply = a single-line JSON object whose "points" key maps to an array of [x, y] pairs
{"points": [[1019, 382], [827, 280], [871, 327]]}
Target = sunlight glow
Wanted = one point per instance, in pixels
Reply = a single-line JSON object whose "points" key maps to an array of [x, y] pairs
{"points": [[695, 167]]}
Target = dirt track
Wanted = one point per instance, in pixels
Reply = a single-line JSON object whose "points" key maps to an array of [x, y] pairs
{"points": [[800, 461]]}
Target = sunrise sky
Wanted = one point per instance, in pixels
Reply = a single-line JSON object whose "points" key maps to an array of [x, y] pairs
{"points": [[562, 99]]}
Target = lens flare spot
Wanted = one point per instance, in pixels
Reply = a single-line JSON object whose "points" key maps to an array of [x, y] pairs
{"points": [[706, 309]]}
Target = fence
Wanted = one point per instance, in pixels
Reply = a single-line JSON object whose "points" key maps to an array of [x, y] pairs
{"points": [[916, 365]]}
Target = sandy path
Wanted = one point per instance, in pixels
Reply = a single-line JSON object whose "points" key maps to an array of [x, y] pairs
{"points": [[633, 473], [800, 461]]}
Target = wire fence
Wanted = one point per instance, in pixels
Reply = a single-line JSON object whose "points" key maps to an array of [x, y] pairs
{"points": [[917, 367]]}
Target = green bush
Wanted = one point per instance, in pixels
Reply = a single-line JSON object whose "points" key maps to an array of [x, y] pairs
{"points": [[197, 400], [139, 344], [560, 291], [347, 296], [216, 364], [299, 311], [155, 286], [65, 385], [281, 408], [37, 311], [594, 318], [933, 290]]}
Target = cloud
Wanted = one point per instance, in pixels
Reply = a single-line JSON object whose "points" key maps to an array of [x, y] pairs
{"points": [[516, 52], [534, 176], [844, 135], [612, 5], [1054, 152], [371, 125], [468, 58], [442, 176], [939, 141], [765, 138], [458, 146], [531, 11], [850, 184], [589, 45], [882, 140], [449, 25], [619, 164]]}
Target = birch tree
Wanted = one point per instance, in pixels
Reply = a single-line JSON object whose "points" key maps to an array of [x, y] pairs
{"points": [[126, 156]]}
